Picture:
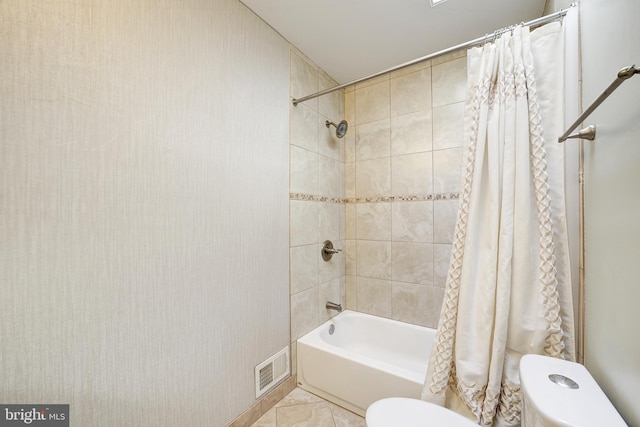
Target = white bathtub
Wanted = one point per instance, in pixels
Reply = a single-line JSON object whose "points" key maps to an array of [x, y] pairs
{"points": [[367, 358]]}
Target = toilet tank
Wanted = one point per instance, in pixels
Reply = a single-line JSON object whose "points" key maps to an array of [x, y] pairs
{"points": [[559, 393]]}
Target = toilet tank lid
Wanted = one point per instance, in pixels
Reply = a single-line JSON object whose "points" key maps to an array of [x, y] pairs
{"points": [[584, 406]]}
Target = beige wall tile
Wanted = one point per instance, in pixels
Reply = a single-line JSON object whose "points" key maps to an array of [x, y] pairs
{"points": [[349, 142], [373, 140], [408, 303], [411, 92], [303, 129], [343, 219], [445, 214], [435, 297], [388, 151], [304, 79], [374, 296], [328, 221], [448, 126], [304, 267], [334, 268], [372, 103], [411, 133], [373, 259], [425, 149], [350, 106], [328, 144], [373, 178], [333, 291], [411, 174], [350, 257], [350, 180], [412, 262], [331, 104], [304, 312], [449, 82], [329, 178], [313, 222], [373, 221], [350, 218], [303, 220], [412, 221], [447, 166], [303, 171], [441, 257], [350, 292]]}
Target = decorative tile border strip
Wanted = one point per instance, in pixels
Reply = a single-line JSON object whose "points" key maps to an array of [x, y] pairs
{"points": [[314, 198], [446, 196], [379, 199]]}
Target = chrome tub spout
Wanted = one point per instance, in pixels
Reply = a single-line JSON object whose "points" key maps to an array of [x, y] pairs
{"points": [[333, 306]]}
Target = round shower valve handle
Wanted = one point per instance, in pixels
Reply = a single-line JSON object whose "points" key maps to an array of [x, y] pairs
{"points": [[328, 250]]}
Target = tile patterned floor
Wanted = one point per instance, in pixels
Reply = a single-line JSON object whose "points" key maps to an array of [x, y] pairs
{"points": [[303, 409]]}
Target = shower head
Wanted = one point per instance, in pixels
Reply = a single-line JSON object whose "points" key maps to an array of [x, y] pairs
{"points": [[341, 128]]}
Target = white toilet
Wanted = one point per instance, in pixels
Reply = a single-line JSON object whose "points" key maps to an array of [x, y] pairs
{"points": [[405, 412], [559, 393], [555, 392]]}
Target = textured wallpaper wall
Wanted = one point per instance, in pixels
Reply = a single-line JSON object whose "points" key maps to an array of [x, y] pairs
{"points": [[143, 207]]}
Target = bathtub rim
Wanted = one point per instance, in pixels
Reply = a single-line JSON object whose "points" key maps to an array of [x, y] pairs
{"points": [[313, 340]]}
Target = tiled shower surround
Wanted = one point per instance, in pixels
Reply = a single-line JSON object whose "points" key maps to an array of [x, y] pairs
{"points": [[316, 203], [387, 193]]}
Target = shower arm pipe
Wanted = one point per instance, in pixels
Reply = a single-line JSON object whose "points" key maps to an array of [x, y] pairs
{"points": [[476, 42], [624, 74]]}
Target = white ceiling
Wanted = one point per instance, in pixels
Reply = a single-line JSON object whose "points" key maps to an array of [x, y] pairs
{"points": [[350, 39]]}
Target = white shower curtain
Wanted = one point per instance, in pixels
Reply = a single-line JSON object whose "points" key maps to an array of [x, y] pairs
{"points": [[508, 290]]}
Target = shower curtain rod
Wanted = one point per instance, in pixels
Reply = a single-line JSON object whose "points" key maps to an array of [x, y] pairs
{"points": [[480, 40]]}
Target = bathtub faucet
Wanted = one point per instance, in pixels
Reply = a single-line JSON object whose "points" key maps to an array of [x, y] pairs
{"points": [[333, 306]]}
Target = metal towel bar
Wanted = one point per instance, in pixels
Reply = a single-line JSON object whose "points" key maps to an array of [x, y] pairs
{"points": [[590, 132]]}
